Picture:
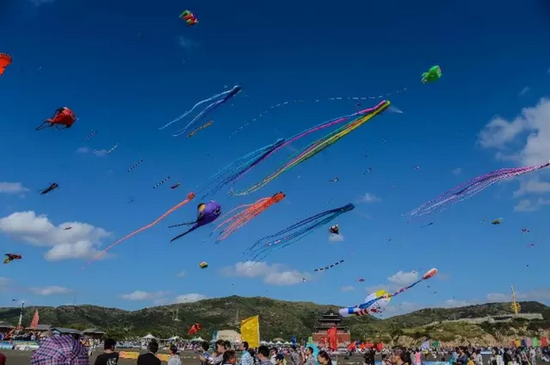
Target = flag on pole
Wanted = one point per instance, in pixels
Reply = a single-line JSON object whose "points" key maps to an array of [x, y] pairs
{"points": [[250, 331]]}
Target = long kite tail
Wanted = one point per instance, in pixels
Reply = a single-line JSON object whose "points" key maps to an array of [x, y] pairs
{"points": [[184, 233], [221, 95], [190, 197]]}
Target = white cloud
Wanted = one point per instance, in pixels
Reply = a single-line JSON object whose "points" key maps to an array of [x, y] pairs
{"points": [[83, 150], [402, 278], [181, 274], [100, 153], [524, 91], [143, 295], [393, 109], [336, 237], [527, 205], [50, 290], [533, 122], [80, 242], [12, 188], [190, 298], [186, 43], [370, 198], [452, 303], [275, 274], [457, 171], [347, 288], [533, 185], [542, 294]]}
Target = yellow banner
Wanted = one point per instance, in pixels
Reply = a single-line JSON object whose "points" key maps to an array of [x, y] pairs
{"points": [[134, 355], [250, 331]]}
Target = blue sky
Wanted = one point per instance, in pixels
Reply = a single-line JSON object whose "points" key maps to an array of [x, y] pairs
{"points": [[128, 67]]}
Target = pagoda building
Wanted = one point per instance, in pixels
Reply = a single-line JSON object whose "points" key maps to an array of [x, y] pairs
{"points": [[328, 321]]}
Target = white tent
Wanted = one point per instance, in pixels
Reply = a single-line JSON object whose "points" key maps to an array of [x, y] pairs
{"points": [[173, 338], [197, 339], [278, 343], [149, 337]]}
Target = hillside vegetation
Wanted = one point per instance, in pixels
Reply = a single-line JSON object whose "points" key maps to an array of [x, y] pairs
{"points": [[283, 319]]}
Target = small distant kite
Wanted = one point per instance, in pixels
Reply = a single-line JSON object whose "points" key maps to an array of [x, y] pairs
{"points": [[432, 75], [200, 128], [335, 179], [194, 329], [427, 225], [328, 267], [496, 221], [206, 213], [49, 189], [203, 265], [5, 61], [524, 230], [63, 118], [416, 167], [67, 228], [10, 257], [361, 280], [89, 136], [161, 182], [135, 165], [175, 186], [335, 229], [189, 18]]}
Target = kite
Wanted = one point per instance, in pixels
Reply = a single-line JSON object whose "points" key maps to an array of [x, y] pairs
{"points": [[375, 307], [67, 228], [135, 165], [194, 329], [361, 280], [524, 230], [335, 179], [223, 97], [319, 145], [235, 170], [63, 118], [329, 267], [206, 213], [5, 61], [189, 18], [246, 213], [432, 75], [358, 310], [11, 256], [190, 197], [89, 136], [161, 182], [295, 232], [427, 225], [496, 222], [335, 229], [49, 189], [471, 188], [175, 186], [199, 128], [203, 265], [112, 149]]}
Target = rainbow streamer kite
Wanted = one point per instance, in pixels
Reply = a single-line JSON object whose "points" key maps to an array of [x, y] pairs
{"points": [[362, 309], [471, 188], [318, 145]]}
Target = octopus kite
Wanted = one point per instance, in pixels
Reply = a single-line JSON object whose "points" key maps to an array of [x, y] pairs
{"points": [[328, 267], [200, 128], [432, 75], [471, 188], [220, 99], [49, 189], [190, 197], [189, 18], [206, 214], [359, 309], [295, 232], [5, 61], [245, 214], [63, 118], [10, 257], [318, 146]]}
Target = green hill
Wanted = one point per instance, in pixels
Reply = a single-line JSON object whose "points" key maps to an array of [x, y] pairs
{"points": [[279, 319]]}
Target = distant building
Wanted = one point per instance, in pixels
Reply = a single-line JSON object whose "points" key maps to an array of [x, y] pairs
{"points": [[326, 322]]}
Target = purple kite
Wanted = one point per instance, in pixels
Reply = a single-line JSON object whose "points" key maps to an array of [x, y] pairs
{"points": [[206, 213]]}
